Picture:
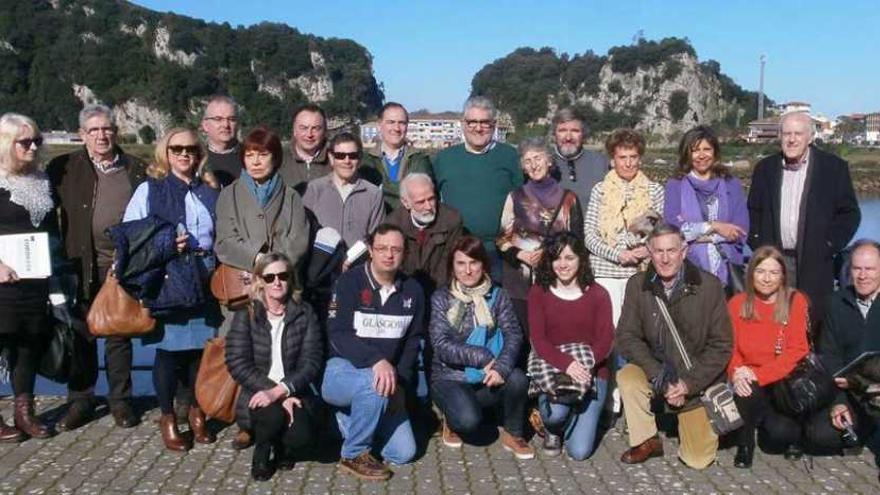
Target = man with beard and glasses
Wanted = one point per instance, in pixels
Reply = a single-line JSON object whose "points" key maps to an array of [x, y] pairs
{"points": [[575, 167], [430, 229]]}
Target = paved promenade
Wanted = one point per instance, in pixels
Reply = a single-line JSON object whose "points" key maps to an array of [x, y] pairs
{"points": [[101, 458]]}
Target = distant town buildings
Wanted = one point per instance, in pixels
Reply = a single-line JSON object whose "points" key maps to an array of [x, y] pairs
{"points": [[767, 129], [872, 128], [61, 137], [430, 130]]}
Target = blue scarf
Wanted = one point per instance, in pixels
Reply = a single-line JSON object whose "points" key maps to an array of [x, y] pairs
{"points": [[695, 196], [263, 192], [480, 337]]}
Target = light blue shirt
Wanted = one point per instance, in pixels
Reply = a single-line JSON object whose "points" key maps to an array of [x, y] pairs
{"points": [[199, 224]]}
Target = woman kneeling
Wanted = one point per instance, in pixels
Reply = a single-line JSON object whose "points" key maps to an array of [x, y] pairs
{"points": [[567, 306], [476, 341], [770, 337], [275, 352]]}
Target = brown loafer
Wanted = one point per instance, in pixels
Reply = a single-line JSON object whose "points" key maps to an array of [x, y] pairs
{"points": [[123, 415], [79, 412], [365, 467], [652, 447], [242, 440]]}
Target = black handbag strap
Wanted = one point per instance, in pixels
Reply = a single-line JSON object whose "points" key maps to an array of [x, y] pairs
{"points": [[679, 344]]}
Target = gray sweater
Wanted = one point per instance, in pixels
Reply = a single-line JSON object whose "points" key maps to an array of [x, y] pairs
{"points": [[355, 217]]}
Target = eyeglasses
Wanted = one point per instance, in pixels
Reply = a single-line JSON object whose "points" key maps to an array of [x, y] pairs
{"points": [[473, 124], [26, 143], [178, 150], [219, 120], [341, 155], [94, 131], [395, 250], [269, 278]]}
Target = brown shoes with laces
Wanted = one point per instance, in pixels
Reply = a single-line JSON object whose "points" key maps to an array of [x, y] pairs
{"points": [[652, 447], [365, 467], [518, 445], [449, 437], [9, 434]]}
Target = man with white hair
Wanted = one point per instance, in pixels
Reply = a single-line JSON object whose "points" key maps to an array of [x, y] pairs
{"points": [[93, 186], [476, 176], [802, 201], [430, 230]]}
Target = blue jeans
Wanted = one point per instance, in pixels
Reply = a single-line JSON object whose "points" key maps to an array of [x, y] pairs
{"points": [[361, 414], [577, 424], [462, 403]]}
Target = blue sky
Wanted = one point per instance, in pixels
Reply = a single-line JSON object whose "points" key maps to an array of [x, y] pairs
{"points": [[426, 53]]}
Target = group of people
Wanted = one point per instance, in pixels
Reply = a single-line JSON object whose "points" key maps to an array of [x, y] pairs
{"points": [[531, 282]]}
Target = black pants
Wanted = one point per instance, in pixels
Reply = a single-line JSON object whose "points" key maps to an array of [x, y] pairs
{"points": [[776, 430], [171, 367], [521, 310], [23, 347], [270, 426], [824, 438], [84, 368], [462, 403]]}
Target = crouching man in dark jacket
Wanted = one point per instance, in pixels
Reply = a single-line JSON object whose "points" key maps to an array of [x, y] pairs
{"points": [[656, 368], [373, 327]]}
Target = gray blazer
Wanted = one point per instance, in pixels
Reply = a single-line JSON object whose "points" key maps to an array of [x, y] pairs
{"points": [[354, 219], [243, 226]]}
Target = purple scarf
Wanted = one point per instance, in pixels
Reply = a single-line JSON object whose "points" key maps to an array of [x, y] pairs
{"points": [[547, 191], [695, 197]]}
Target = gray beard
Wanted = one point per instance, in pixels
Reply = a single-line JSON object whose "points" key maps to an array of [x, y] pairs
{"points": [[422, 220], [570, 151]]}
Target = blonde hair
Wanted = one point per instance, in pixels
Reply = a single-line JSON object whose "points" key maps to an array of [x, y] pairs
{"points": [[160, 168], [11, 125], [782, 306], [258, 286]]}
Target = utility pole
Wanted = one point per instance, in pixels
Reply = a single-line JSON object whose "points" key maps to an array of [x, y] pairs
{"points": [[761, 89]]}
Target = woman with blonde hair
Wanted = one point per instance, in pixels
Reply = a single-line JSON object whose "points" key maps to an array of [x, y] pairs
{"points": [[275, 351], [770, 336], [25, 207], [177, 192]]}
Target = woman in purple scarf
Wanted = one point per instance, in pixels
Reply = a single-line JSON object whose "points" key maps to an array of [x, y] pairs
{"points": [[531, 213], [708, 204]]}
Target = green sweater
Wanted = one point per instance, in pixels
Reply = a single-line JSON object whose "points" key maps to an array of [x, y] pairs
{"points": [[373, 170], [477, 185]]}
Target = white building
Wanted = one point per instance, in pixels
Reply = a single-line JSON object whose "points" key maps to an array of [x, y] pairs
{"points": [[427, 131]]}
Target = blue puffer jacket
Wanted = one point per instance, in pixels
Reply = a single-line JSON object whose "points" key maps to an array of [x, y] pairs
{"points": [[149, 267]]}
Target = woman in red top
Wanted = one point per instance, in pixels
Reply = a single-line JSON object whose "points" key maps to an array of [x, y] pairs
{"points": [[770, 337], [566, 306]]}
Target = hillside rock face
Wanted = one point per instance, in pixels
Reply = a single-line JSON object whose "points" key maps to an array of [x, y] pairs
{"points": [[659, 88], [157, 69]]}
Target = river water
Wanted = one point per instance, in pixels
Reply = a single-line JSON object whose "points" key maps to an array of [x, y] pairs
{"points": [[870, 226]]}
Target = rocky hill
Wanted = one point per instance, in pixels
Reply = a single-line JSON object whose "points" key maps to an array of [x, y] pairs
{"points": [[156, 69], [657, 87]]}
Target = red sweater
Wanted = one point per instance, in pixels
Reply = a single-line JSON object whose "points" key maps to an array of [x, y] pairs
{"points": [[554, 321], [754, 341]]}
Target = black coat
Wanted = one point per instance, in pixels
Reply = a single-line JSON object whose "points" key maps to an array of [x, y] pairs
{"points": [[829, 217], [845, 334], [249, 354], [73, 180]]}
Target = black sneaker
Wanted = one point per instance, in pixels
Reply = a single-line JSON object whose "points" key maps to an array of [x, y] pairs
{"points": [[552, 446]]}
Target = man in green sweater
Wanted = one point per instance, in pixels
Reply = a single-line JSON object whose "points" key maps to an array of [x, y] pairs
{"points": [[387, 164], [476, 176]]}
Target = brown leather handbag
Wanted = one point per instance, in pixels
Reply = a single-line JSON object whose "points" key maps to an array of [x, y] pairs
{"points": [[114, 313], [230, 286], [216, 390]]}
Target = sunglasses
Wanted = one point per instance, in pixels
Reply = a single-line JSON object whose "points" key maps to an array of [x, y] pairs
{"points": [[26, 143], [177, 150], [269, 278], [340, 155]]}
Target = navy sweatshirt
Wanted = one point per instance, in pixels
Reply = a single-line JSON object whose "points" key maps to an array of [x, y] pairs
{"points": [[364, 331]]}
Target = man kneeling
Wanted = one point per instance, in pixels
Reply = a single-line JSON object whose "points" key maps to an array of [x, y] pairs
{"points": [[373, 327], [656, 368]]}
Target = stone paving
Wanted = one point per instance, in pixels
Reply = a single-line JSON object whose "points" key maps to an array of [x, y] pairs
{"points": [[101, 458]]}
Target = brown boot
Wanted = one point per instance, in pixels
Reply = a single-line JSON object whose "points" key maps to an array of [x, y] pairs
{"points": [[242, 440], [25, 420], [171, 435], [9, 434], [199, 426]]}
